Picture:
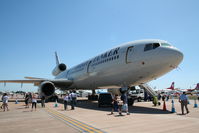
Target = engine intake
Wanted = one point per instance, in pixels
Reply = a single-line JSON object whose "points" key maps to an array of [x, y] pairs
{"points": [[58, 69], [47, 89]]}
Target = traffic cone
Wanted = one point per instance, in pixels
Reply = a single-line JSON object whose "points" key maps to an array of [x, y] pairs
{"points": [[173, 107], [56, 104], [164, 106], [195, 104]]}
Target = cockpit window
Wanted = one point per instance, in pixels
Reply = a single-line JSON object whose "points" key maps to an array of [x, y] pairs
{"points": [[165, 44], [155, 45], [151, 46], [148, 47]]}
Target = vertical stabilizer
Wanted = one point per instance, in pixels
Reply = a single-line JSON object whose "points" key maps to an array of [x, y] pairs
{"points": [[197, 86], [56, 58], [172, 86]]}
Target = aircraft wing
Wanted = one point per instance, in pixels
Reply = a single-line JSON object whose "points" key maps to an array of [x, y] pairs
{"points": [[38, 81]]}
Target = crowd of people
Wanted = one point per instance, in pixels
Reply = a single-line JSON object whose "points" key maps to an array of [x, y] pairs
{"points": [[119, 103], [30, 100]]}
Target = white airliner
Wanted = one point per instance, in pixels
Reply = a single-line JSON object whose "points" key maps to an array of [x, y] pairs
{"points": [[129, 64]]}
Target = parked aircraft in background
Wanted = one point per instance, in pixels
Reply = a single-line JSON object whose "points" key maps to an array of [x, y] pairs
{"points": [[129, 64], [172, 90], [172, 86], [192, 91]]}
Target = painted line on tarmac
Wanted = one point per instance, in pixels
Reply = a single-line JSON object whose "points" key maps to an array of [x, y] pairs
{"points": [[74, 123], [77, 124]]}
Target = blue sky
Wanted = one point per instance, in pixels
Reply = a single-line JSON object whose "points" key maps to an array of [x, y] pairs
{"points": [[31, 30]]}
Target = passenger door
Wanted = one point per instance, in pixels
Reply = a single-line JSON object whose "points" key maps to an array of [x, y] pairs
{"points": [[89, 67], [129, 54]]}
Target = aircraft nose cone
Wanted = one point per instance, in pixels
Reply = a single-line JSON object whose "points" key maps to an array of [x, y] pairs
{"points": [[179, 55], [175, 57]]}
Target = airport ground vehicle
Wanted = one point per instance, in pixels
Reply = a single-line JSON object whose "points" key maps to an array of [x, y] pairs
{"points": [[137, 94], [105, 99]]}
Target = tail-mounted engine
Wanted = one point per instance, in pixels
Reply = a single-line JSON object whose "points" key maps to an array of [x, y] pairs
{"points": [[58, 69]]}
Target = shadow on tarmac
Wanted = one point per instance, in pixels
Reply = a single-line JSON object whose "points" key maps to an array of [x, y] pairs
{"points": [[132, 109]]}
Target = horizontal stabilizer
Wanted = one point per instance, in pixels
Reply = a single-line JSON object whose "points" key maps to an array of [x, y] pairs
{"points": [[32, 78]]}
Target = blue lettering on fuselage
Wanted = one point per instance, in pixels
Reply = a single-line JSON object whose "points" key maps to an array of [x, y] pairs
{"points": [[105, 57]]}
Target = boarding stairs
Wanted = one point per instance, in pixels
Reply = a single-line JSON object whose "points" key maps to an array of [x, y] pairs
{"points": [[148, 89]]}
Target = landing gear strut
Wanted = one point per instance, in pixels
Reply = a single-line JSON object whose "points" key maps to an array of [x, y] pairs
{"points": [[125, 91]]}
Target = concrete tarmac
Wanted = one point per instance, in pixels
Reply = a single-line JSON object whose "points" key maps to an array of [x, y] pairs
{"points": [[87, 117], [22, 120]]}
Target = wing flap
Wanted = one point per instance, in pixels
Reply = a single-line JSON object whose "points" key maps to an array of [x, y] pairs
{"points": [[22, 81]]}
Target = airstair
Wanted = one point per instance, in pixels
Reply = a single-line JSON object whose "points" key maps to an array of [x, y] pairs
{"points": [[148, 89]]}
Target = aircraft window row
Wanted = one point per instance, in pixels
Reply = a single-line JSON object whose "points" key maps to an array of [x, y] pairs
{"points": [[165, 44], [151, 46], [106, 60]]}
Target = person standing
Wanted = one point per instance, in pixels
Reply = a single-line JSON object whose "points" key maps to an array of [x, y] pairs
{"points": [[183, 99], [27, 100], [34, 102], [115, 106], [124, 98], [66, 101], [5, 102], [43, 101], [120, 104], [30, 97], [2, 101], [73, 97]]}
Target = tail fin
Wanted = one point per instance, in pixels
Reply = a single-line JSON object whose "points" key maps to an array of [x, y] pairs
{"points": [[56, 58], [197, 86], [172, 86]]}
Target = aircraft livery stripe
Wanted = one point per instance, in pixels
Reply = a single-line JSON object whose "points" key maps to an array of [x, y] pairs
{"points": [[74, 123]]}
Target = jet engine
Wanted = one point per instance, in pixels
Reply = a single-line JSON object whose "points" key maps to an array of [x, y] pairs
{"points": [[58, 69], [46, 89]]}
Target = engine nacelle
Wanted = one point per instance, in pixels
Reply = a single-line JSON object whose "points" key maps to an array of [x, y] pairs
{"points": [[46, 89], [58, 69]]}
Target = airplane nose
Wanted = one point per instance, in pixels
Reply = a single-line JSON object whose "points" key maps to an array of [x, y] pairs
{"points": [[175, 57], [179, 55]]}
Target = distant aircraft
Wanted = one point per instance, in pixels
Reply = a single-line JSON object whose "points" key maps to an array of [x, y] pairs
{"points": [[172, 86], [173, 90], [129, 64], [196, 88]]}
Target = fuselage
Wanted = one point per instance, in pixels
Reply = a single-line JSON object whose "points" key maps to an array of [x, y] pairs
{"points": [[129, 64]]}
